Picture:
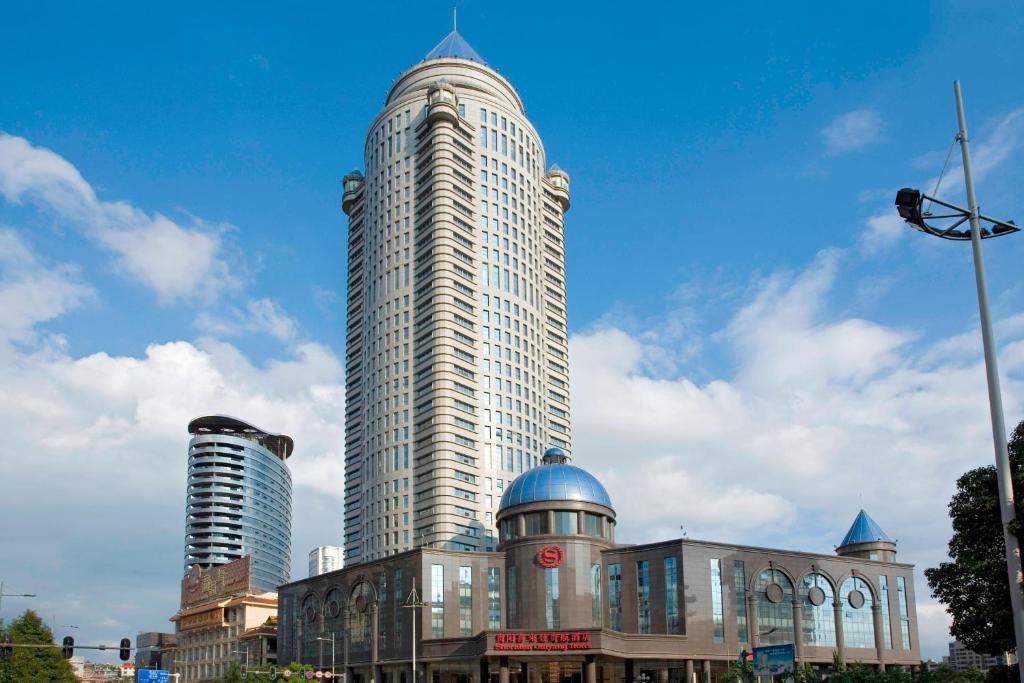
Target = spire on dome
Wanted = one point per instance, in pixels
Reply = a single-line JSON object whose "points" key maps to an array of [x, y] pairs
{"points": [[454, 45], [864, 530]]}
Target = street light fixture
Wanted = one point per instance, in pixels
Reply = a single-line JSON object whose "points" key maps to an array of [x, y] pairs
{"points": [[413, 602], [331, 641], [12, 595], [909, 205]]}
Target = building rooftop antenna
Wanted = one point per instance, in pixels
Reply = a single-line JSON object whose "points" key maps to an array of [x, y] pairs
{"points": [[455, 18]]}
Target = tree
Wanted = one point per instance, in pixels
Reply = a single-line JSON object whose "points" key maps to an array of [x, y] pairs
{"points": [[34, 665], [974, 585]]}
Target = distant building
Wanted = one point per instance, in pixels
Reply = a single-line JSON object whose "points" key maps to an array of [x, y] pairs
{"points": [[963, 659], [326, 558], [223, 618], [155, 651]]}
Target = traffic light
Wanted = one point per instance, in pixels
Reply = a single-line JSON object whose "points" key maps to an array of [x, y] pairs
{"points": [[126, 649], [68, 648]]}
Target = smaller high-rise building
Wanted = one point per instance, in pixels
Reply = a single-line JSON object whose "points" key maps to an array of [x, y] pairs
{"points": [[239, 499], [326, 558]]}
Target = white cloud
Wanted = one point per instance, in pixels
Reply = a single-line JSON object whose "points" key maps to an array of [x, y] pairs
{"points": [[174, 261], [260, 316], [853, 131], [881, 231], [819, 418], [987, 154]]}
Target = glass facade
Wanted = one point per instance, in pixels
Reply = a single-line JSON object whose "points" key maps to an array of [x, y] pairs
{"points": [[739, 585], [858, 625], [883, 597], [773, 592], [536, 523], [595, 595], [437, 600], [566, 522], [512, 594], [615, 597], [465, 601], [643, 596], [817, 611], [717, 606], [901, 592], [551, 607], [239, 503], [672, 596], [493, 598], [399, 600]]}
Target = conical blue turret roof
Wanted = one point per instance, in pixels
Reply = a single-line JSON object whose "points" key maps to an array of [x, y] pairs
{"points": [[454, 45], [864, 530]]}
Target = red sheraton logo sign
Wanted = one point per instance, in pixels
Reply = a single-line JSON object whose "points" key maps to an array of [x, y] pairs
{"points": [[543, 640], [550, 556]]}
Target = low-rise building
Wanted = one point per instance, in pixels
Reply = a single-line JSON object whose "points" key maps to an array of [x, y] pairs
{"points": [[155, 650], [962, 658], [218, 607], [560, 600]]}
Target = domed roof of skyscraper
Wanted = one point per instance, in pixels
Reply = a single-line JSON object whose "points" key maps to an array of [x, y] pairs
{"points": [[454, 45], [864, 530], [555, 480]]}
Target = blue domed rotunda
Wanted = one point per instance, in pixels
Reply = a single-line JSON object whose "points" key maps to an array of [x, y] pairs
{"points": [[555, 480]]}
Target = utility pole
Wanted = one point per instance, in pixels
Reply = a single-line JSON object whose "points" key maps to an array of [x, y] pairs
{"points": [[995, 399]]}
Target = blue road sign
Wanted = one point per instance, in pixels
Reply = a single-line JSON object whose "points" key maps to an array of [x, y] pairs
{"points": [[153, 676]]}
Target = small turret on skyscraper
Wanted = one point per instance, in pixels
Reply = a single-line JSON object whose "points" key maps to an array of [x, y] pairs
{"points": [[867, 541]]}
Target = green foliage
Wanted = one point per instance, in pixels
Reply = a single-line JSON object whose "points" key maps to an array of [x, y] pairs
{"points": [[974, 584], [34, 665]]}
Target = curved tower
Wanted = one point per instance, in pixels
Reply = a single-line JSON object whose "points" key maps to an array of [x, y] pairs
{"points": [[239, 498], [457, 356]]}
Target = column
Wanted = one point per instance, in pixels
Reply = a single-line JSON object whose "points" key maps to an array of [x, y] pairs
{"points": [[876, 621], [706, 666], [590, 670], [689, 671], [752, 628], [551, 521], [837, 607], [662, 675], [581, 520], [520, 523], [798, 640], [503, 670], [375, 672]]}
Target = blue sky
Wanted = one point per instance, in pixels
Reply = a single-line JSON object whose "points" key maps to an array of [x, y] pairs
{"points": [[172, 244]]}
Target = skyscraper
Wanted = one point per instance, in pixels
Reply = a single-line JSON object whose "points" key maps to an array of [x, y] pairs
{"points": [[457, 355], [239, 499]]}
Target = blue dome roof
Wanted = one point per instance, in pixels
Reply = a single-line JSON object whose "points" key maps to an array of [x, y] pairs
{"points": [[454, 45], [555, 481]]}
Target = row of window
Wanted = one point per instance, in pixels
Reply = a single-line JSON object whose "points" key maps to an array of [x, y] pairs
{"points": [[566, 522]]}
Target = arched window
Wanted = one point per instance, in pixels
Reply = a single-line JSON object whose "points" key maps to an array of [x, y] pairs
{"points": [[774, 593], [817, 615], [359, 615], [858, 625]]}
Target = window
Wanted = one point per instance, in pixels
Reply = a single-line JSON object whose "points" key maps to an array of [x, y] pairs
{"points": [[717, 607], [536, 523], [773, 593], [672, 596], [883, 584], [493, 597], [817, 614], [615, 596], [551, 614], [566, 522], [901, 590], [594, 527], [858, 625], [643, 596], [739, 580], [437, 600], [397, 607], [465, 601], [595, 595]]}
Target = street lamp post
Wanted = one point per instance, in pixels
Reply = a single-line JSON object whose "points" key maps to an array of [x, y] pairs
{"points": [[414, 602], [911, 211], [12, 595], [331, 641]]}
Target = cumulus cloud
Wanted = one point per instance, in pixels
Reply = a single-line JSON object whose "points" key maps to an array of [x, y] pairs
{"points": [[172, 260], [853, 131], [818, 418]]}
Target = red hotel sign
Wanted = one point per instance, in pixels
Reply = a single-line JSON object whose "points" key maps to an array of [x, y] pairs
{"points": [[550, 556], [543, 640]]}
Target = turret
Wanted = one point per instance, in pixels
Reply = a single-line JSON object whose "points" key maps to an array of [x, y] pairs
{"points": [[867, 541], [352, 185]]}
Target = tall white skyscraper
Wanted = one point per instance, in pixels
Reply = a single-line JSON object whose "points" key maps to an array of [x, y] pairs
{"points": [[326, 558], [457, 355]]}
